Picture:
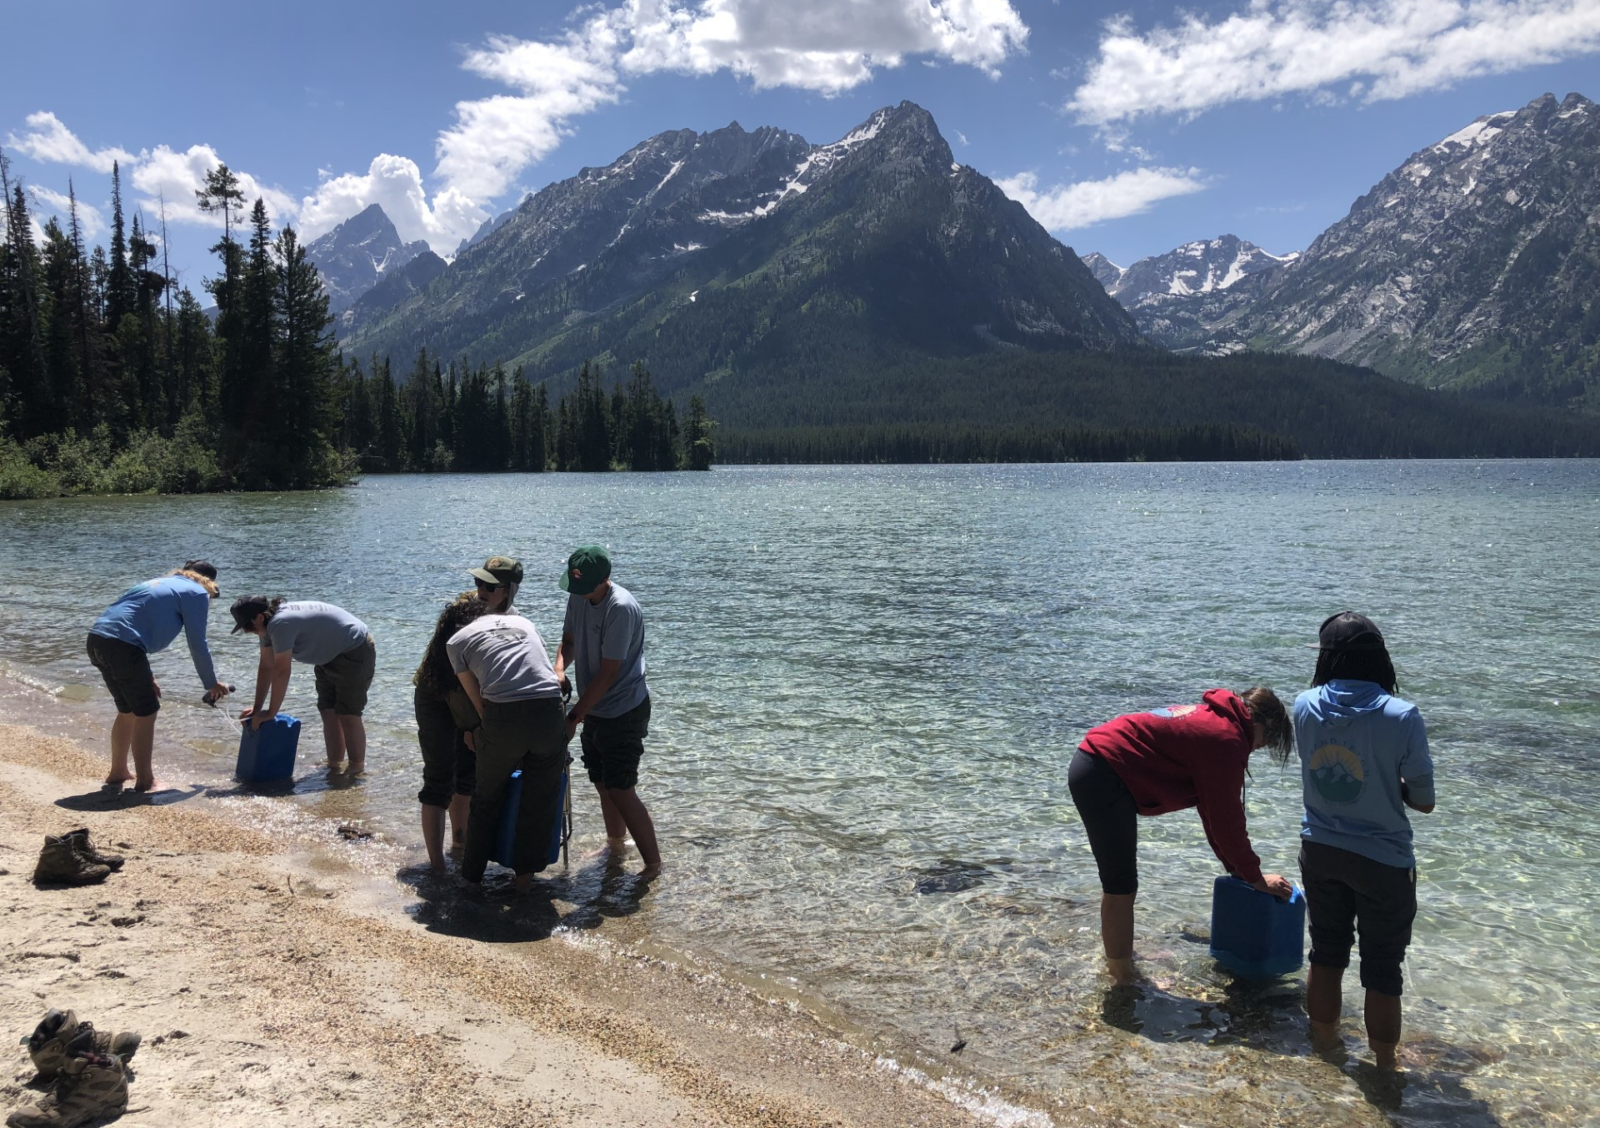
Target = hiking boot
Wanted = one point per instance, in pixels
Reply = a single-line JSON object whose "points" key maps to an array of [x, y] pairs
{"points": [[82, 844], [91, 1086], [60, 864], [59, 1034]]}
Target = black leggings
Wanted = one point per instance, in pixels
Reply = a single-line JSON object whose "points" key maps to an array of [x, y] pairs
{"points": [[1110, 818]]}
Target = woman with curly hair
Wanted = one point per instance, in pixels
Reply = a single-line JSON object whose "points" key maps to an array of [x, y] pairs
{"points": [[144, 619], [1152, 763]]}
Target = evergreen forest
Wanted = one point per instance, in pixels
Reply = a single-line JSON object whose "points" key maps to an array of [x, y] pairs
{"points": [[115, 380]]}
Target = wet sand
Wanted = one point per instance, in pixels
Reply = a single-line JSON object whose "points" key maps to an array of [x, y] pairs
{"points": [[271, 988]]}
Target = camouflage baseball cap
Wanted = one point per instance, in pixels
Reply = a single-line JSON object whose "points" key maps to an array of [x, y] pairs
{"points": [[587, 568], [498, 570]]}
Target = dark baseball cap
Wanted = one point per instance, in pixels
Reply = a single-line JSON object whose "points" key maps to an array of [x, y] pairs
{"points": [[587, 568], [1349, 631], [498, 570], [201, 568], [245, 609]]}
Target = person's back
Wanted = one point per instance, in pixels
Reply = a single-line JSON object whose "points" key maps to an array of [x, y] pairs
{"points": [[1357, 744], [1364, 760]]}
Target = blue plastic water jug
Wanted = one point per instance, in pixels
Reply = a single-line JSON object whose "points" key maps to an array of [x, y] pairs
{"points": [[1253, 934], [505, 835], [266, 754]]}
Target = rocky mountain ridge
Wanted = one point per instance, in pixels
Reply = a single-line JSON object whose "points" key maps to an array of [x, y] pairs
{"points": [[716, 253], [357, 254], [1474, 265]]}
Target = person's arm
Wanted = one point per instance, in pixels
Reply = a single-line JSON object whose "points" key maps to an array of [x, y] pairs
{"points": [[469, 682], [564, 654], [193, 607], [1416, 767], [263, 680], [282, 665], [594, 691], [1220, 801]]}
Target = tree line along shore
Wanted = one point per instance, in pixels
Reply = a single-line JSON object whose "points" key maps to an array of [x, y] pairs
{"points": [[113, 379]]}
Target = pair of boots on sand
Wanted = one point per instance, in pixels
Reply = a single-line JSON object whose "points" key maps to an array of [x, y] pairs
{"points": [[73, 859], [85, 1067]]}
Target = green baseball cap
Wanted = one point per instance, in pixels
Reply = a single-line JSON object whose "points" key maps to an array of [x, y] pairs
{"points": [[587, 568], [498, 570]]}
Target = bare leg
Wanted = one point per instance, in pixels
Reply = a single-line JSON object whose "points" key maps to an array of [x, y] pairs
{"points": [[460, 811], [629, 809], [1324, 999], [354, 730], [332, 738], [1383, 1028], [616, 828], [142, 748], [121, 742], [1116, 933], [433, 836]]}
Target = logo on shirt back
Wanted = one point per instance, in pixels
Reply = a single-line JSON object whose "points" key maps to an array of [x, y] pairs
{"points": [[1174, 711], [1337, 774]]}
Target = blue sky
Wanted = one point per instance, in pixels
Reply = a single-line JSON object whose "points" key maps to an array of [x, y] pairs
{"points": [[1126, 129]]}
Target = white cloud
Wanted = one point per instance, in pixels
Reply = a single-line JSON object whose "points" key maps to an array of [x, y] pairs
{"points": [[395, 184], [47, 139], [1371, 49], [827, 46], [90, 220], [1067, 207], [163, 173]]}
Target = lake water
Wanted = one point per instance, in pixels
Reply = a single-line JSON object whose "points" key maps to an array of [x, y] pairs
{"points": [[868, 683]]}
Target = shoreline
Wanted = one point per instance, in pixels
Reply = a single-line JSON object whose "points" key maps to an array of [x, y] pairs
{"points": [[272, 985]]}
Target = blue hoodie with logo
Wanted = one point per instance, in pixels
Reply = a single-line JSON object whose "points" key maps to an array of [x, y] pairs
{"points": [[1357, 745]]}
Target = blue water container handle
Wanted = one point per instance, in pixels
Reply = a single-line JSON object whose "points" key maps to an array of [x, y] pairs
{"points": [[1294, 898]]}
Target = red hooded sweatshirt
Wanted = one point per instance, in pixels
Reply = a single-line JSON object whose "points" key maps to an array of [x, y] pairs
{"points": [[1188, 756]]}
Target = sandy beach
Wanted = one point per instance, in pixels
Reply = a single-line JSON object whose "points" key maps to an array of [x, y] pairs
{"points": [[270, 989]]}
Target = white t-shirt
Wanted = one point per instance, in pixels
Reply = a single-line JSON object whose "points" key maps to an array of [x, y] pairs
{"points": [[507, 656]]}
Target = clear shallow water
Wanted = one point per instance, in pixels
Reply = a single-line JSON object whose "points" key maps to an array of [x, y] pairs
{"points": [[868, 683]]}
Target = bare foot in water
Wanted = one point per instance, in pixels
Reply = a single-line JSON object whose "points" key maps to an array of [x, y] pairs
{"points": [[650, 873], [614, 848], [148, 785], [356, 768], [115, 783]]}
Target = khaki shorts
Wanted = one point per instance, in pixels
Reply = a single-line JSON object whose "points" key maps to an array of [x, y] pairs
{"points": [[342, 684]]}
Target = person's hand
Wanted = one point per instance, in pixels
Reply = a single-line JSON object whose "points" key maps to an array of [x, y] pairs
{"points": [[157, 686], [469, 737], [216, 693], [566, 687], [261, 718], [572, 725], [1276, 885]]}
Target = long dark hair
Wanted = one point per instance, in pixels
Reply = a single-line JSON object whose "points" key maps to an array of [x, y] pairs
{"points": [[1353, 650], [436, 675], [1268, 712]]}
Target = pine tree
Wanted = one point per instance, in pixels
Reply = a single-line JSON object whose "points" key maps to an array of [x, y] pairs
{"points": [[304, 365], [25, 385], [699, 449], [119, 279]]}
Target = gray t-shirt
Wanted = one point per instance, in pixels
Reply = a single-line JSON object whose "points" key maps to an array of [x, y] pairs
{"points": [[613, 628], [507, 656], [316, 633]]}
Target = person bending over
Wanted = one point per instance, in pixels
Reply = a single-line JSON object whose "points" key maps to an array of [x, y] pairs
{"points": [[1145, 764], [339, 648], [1364, 760], [445, 717], [502, 665], [497, 582], [143, 620], [602, 642]]}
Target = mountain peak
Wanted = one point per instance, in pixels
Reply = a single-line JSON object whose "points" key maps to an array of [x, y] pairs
{"points": [[354, 255]]}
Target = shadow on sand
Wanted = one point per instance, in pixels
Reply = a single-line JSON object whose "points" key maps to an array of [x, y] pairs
{"points": [[127, 797], [562, 898]]}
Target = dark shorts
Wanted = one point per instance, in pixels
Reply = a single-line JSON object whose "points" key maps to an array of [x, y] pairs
{"points": [[342, 684], [1110, 819], [126, 670], [1348, 892], [449, 767], [612, 746]]}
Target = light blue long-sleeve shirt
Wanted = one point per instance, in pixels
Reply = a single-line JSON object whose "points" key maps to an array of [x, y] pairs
{"points": [[1357, 746], [150, 615]]}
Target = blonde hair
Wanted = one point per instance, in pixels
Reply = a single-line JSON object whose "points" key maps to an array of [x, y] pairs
{"points": [[204, 581]]}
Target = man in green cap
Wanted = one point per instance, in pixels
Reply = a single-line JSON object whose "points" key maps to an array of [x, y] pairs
{"points": [[602, 642], [497, 582]]}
